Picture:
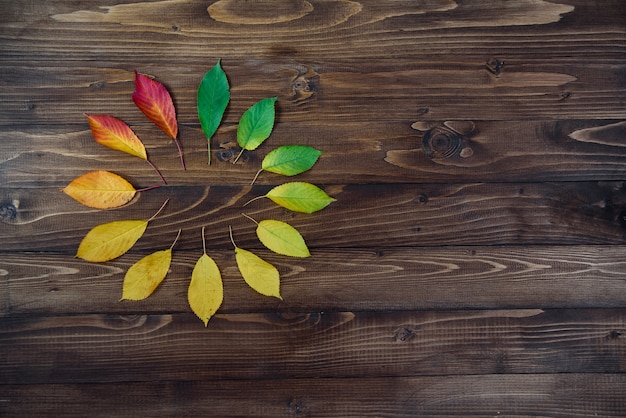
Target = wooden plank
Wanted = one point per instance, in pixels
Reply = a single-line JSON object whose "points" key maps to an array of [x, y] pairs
{"points": [[113, 348], [554, 395], [331, 280], [187, 31], [344, 91], [363, 216], [391, 152]]}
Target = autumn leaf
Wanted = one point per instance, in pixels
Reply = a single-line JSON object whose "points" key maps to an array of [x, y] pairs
{"points": [[111, 240], [213, 97], [289, 160], [257, 273], [100, 189], [143, 277], [116, 134], [281, 238], [298, 196], [256, 125], [206, 292], [154, 101]]}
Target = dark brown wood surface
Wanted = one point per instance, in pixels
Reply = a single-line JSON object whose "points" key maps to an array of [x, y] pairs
{"points": [[474, 263]]}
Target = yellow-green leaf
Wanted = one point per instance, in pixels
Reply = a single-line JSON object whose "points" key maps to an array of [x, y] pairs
{"points": [[143, 277], [206, 292], [289, 160], [299, 196], [100, 189], [256, 124], [282, 238], [108, 241], [258, 273]]}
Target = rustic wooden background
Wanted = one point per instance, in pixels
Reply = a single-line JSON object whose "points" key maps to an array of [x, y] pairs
{"points": [[473, 264]]}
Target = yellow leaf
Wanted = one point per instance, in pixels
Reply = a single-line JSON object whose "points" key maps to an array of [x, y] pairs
{"points": [[258, 273], [282, 238], [206, 292], [108, 241], [143, 277], [100, 189]]}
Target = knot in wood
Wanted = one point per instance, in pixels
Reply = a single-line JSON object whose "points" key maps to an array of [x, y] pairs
{"points": [[302, 88], [446, 141], [303, 83], [494, 66], [441, 142], [228, 152], [8, 211]]}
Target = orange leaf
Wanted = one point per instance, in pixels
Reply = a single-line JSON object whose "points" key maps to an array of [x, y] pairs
{"points": [[116, 134], [153, 99], [100, 189]]}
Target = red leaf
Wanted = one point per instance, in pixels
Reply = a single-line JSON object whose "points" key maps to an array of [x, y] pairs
{"points": [[153, 99]]}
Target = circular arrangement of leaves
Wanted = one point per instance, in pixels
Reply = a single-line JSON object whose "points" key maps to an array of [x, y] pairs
{"points": [[105, 190]]}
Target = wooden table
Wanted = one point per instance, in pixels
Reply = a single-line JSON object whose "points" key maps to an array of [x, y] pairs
{"points": [[474, 262]]}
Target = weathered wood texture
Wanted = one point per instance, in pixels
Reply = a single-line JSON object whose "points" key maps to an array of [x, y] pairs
{"points": [[476, 395], [382, 279], [354, 152], [364, 216], [473, 264], [92, 348]]}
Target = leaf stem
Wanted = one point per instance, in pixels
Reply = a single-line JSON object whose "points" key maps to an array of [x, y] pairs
{"points": [[255, 177], [253, 199], [249, 217], [159, 211], [176, 239], [230, 232], [145, 189], [237, 159], [180, 154], [157, 171], [203, 241], [208, 141]]}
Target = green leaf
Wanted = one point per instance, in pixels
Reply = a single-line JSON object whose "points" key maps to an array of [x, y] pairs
{"points": [[256, 124], [300, 197], [282, 238], [290, 160], [213, 98]]}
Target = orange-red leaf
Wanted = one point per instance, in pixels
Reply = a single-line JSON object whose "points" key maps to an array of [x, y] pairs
{"points": [[116, 134], [153, 99], [100, 189]]}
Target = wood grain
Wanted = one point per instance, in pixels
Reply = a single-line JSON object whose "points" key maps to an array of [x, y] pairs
{"points": [[473, 263], [391, 152], [114, 348], [358, 280], [554, 395], [363, 216], [184, 30], [347, 91]]}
